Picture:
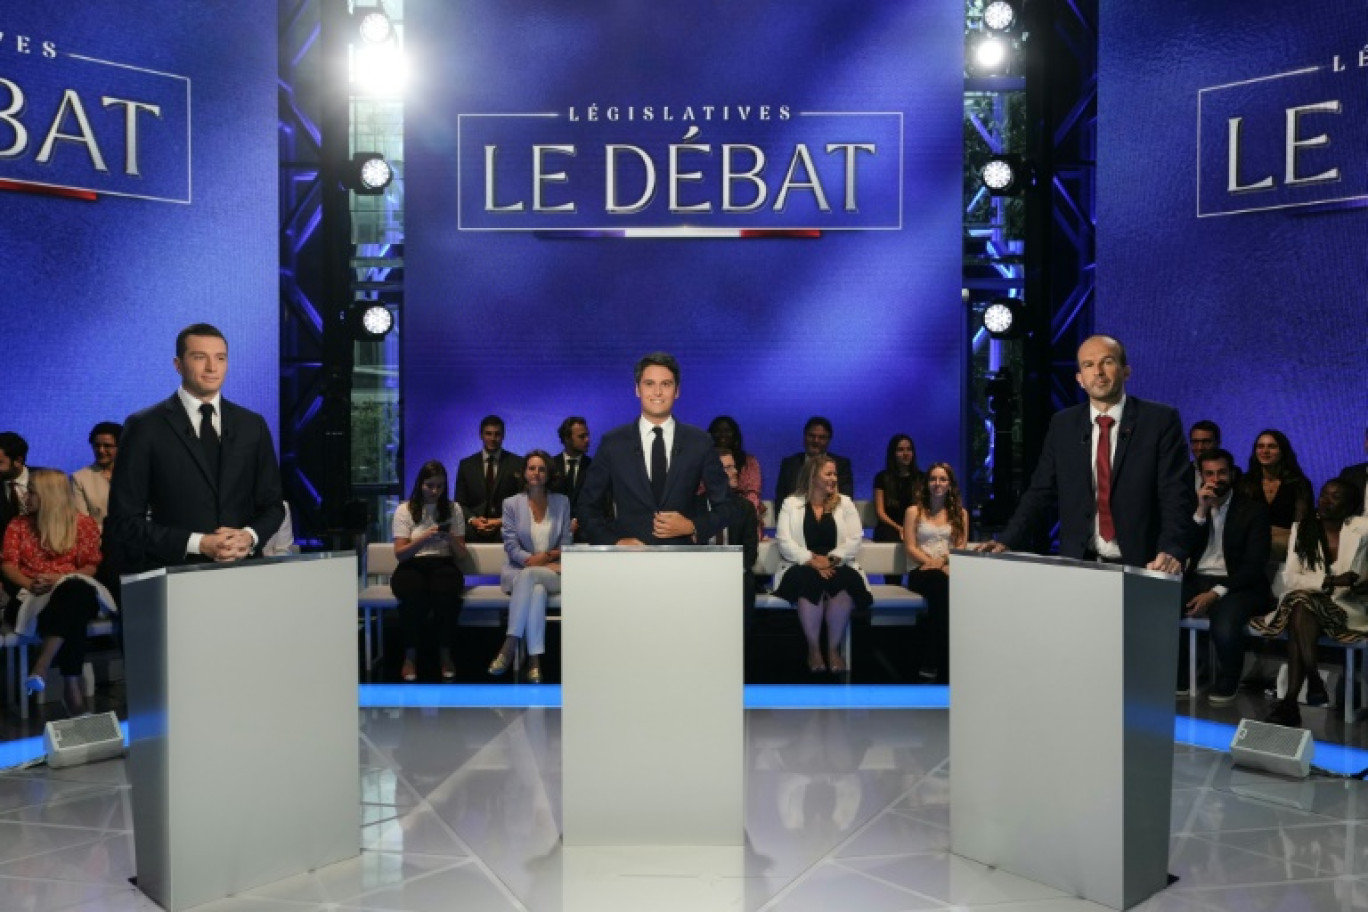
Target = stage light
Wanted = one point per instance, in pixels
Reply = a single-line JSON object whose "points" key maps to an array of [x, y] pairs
{"points": [[991, 53], [999, 15], [373, 25], [369, 174], [379, 69], [1005, 175], [371, 320], [1005, 318]]}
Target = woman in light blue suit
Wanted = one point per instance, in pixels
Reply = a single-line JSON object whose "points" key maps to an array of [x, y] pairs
{"points": [[536, 525]]}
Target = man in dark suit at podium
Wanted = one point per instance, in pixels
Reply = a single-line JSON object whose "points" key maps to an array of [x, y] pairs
{"points": [[1116, 467], [642, 486], [197, 477]]}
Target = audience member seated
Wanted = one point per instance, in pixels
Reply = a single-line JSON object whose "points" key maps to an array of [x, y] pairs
{"points": [[896, 488], [1326, 583], [816, 439], [92, 482], [1357, 475], [429, 538], [571, 465], [819, 533], [1203, 436], [14, 480], [726, 435], [536, 526], [1276, 478], [743, 530], [933, 525], [1226, 578], [484, 479], [50, 553]]}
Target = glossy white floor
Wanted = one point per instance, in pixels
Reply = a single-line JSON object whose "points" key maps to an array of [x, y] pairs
{"points": [[846, 809]]}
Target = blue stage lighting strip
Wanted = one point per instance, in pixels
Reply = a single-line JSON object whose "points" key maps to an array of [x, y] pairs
{"points": [[13, 753]]}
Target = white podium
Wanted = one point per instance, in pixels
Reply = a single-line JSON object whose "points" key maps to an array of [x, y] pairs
{"points": [[1061, 721], [652, 688], [242, 723]]}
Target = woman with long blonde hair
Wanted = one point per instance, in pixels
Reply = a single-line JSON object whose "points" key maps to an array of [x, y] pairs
{"points": [[819, 533], [51, 553]]}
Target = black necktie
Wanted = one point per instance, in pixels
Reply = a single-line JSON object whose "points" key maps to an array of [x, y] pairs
{"points": [[658, 465], [209, 438], [571, 465], [15, 507]]}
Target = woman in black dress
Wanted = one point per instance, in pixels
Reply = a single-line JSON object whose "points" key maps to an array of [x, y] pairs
{"points": [[1275, 477], [895, 488], [819, 532]]}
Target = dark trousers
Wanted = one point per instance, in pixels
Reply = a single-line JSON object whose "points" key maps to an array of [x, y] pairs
{"points": [[934, 586], [71, 606], [428, 586], [1229, 617]]}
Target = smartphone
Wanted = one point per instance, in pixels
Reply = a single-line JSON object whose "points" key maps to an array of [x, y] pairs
{"points": [[444, 526]]}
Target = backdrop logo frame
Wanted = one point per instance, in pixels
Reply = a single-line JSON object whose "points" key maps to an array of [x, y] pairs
{"points": [[77, 122], [711, 170]]}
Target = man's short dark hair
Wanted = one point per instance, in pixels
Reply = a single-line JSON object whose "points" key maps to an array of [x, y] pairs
{"points": [[1209, 426], [1214, 454], [13, 446], [494, 420], [568, 425], [111, 428], [658, 359], [197, 329], [818, 421]]}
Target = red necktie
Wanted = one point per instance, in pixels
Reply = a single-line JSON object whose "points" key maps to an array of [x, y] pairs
{"points": [[1104, 514]]}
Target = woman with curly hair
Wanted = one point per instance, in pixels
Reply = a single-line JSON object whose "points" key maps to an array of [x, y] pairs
{"points": [[931, 527], [1326, 583]]}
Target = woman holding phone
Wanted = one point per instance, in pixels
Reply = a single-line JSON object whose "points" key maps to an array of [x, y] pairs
{"points": [[429, 538]]}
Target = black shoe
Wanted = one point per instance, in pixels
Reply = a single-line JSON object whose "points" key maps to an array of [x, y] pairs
{"points": [[1316, 694], [1285, 712]]}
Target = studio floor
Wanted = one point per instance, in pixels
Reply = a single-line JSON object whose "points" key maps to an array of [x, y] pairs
{"points": [[846, 808]]}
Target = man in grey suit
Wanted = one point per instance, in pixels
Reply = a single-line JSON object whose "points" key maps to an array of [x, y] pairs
{"points": [[642, 486], [197, 477], [1116, 467]]}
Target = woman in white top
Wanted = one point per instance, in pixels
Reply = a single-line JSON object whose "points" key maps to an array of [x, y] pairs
{"points": [[1325, 581], [92, 482], [536, 526], [819, 533], [429, 538], [932, 526]]}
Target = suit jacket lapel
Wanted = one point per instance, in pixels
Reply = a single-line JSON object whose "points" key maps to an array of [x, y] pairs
{"points": [[637, 473], [174, 413], [1126, 431]]}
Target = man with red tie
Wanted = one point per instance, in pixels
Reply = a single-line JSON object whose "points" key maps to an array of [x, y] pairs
{"points": [[1116, 467]]}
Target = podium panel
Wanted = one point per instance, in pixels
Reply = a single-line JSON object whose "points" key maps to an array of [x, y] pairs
{"points": [[242, 723], [1061, 721], [652, 689]]}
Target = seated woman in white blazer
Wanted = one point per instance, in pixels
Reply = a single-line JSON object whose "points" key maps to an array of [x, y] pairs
{"points": [[536, 526], [819, 532]]}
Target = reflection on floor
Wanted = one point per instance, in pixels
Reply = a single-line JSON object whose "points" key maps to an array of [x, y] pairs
{"points": [[846, 809]]}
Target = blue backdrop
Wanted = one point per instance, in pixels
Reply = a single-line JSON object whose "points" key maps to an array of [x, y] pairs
{"points": [[863, 324], [1245, 306], [96, 290]]}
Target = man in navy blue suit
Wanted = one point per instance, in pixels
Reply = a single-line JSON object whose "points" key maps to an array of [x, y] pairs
{"points": [[1117, 469], [641, 487]]}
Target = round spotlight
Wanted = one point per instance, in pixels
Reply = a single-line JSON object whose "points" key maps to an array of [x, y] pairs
{"points": [[370, 174], [991, 53], [373, 320], [1004, 318], [374, 26], [999, 15], [1005, 175]]}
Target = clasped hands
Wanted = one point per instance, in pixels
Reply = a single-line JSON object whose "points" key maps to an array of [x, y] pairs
{"points": [[823, 565], [225, 544], [548, 559], [665, 524]]}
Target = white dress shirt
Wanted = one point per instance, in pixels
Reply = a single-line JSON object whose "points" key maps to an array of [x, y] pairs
{"points": [[1103, 548], [647, 432]]}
